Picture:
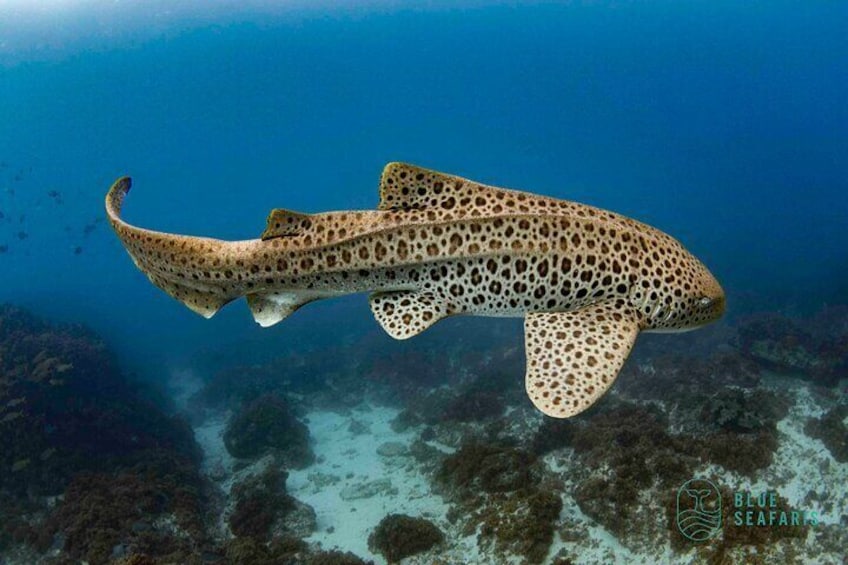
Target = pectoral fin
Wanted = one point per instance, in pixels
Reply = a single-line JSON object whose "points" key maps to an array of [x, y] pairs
{"points": [[574, 357], [404, 314]]}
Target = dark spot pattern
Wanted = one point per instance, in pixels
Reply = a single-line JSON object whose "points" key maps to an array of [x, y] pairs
{"points": [[449, 246], [574, 357]]}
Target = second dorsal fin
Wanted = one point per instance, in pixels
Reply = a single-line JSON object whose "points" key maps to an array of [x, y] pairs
{"points": [[282, 223]]}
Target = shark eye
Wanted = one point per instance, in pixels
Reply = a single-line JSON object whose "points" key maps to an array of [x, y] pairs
{"points": [[705, 301]]}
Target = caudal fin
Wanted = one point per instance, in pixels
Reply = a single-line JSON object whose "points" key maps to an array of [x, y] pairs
{"points": [[171, 261]]}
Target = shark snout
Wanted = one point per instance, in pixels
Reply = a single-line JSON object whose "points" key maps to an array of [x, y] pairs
{"points": [[713, 301]]}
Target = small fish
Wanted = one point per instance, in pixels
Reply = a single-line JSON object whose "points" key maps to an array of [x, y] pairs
{"points": [[11, 417], [15, 402], [47, 453], [54, 194], [86, 231], [77, 250], [20, 465], [2, 215], [4, 248], [22, 235]]}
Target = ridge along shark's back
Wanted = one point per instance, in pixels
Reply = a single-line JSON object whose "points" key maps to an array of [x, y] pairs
{"points": [[586, 280]]}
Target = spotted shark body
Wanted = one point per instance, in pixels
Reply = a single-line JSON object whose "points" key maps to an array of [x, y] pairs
{"points": [[586, 280]]}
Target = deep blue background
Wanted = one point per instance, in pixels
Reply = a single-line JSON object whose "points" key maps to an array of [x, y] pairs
{"points": [[722, 123]]}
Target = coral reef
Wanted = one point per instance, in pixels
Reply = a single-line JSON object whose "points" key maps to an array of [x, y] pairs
{"points": [[682, 383], [65, 407], [450, 357], [781, 344], [498, 489], [307, 377], [746, 438], [633, 445], [72, 425], [258, 502], [263, 508], [743, 453], [404, 375], [553, 434], [714, 407], [267, 425], [429, 458], [626, 452], [832, 432], [234, 386], [523, 525], [452, 413], [93, 469], [103, 516], [336, 558], [743, 411], [738, 543], [429, 409], [487, 468], [474, 406], [249, 551], [398, 536]]}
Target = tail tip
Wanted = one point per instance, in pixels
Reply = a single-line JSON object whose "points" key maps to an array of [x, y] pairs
{"points": [[116, 194]]}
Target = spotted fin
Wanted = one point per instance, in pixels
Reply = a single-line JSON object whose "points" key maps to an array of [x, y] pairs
{"points": [[406, 187], [404, 314], [283, 223], [574, 357], [269, 309], [204, 302]]}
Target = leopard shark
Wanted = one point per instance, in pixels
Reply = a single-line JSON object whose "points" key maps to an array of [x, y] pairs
{"points": [[586, 281]]}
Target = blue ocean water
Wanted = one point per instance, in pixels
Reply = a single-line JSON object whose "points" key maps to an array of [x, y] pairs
{"points": [[722, 123]]}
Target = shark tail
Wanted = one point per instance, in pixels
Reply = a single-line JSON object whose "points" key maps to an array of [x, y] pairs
{"points": [[164, 257]]}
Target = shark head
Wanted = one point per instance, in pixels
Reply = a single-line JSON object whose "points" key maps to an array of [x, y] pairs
{"points": [[709, 301], [684, 297]]}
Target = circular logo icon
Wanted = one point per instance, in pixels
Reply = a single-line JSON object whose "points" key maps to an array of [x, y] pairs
{"points": [[698, 510]]}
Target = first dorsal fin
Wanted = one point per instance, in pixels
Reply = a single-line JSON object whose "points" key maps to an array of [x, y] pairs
{"points": [[283, 223], [407, 187]]}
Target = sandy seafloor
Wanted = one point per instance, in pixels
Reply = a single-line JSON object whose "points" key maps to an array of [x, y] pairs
{"points": [[394, 484]]}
